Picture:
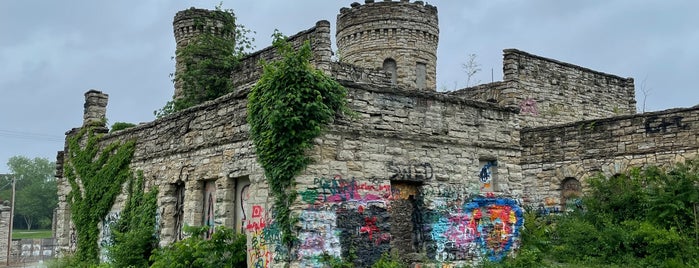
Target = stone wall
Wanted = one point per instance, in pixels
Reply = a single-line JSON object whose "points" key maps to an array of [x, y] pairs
{"points": [[489, 92], [552, 92], [4, 231], [250, 68], [405, 176], [555, 155], [437, 154]]}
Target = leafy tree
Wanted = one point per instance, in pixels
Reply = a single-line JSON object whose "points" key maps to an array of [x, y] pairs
{"points": [[36, 196]]}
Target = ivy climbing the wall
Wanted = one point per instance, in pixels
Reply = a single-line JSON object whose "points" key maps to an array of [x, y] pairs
{"points": [[134, 233], [287, 109], [209, 59], [95, 175]]}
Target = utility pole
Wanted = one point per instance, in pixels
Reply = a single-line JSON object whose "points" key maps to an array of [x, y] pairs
{"points": [[12, 215]]}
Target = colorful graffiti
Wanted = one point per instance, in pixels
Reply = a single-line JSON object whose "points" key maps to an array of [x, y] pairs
{"points": [[259, 255], [319, 235], [106, 239], [344, 217], [484, 227], [486, 176], [345, 212]]}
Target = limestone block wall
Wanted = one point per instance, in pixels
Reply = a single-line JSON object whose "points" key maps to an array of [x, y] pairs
{"points": [[250, 69], [554, 156], [489, 92], [552, 92], [415, 159], [399, 34], [190, 155], [4, 231], [404, 175]]}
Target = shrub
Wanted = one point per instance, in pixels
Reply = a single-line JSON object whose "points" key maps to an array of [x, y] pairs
{"points": [[224, 249], [120, 126]]}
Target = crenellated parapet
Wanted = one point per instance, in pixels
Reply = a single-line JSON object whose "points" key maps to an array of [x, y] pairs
{"points": [[191, 23], [399, 36]]}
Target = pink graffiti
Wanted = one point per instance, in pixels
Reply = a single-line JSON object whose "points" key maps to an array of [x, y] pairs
{"points": [[528, 106]]}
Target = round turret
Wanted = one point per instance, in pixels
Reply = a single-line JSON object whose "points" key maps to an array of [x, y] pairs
{"points": [[399, 37], [190, 23]]}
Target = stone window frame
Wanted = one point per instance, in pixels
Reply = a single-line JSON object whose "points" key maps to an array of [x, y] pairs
{"points": [[392, 69]]}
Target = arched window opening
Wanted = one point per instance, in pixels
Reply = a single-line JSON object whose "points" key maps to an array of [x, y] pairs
{"points": [[571, 194], [389, 65]]}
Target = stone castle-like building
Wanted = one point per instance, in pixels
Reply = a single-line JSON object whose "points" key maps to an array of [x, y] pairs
{"points": [[432, 176]]}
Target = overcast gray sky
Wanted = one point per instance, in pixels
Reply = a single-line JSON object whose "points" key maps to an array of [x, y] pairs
{"points": [[51, 52]]}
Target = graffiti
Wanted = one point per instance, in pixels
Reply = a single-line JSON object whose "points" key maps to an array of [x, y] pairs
{"points": [[179, 210], [484, 227], [368, 232], [258, 252], [106, 239], [455, 191], [529, 106], [413, 172], [209, 201], [244, 197], [344, 212], [486, 173], [319, 235], [652, 124], [73, 239], [339, 190]]}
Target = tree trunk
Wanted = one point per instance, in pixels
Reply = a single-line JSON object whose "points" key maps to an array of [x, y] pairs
{"points": [[28, 221]]}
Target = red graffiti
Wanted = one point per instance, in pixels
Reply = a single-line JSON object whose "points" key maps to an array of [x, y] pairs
{"points": [[256, 211], [369, 227]]}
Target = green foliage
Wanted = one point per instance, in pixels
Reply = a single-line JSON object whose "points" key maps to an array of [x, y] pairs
{"points": [[224, 249], [644, 218], [209, 59], [95, 176], [36, 193], [287, 109], [120, 126], [135, 232], [386, 261], [335, 262]]}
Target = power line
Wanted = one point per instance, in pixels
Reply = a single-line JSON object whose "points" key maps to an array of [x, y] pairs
{"points": [[30, 136]]}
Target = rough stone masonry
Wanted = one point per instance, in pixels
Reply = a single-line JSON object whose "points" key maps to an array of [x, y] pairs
{"points": [[431, 176]]}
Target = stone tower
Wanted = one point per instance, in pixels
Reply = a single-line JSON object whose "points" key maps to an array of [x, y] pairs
{"points": [[190, 24], [401, 37]]}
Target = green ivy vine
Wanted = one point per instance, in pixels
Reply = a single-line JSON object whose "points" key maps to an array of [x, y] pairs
{"points": [[95, 175], [134, 233], [287, 109], [209, 59]]}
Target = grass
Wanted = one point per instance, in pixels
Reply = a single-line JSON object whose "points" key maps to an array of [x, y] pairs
{"points": [[22, 234]]}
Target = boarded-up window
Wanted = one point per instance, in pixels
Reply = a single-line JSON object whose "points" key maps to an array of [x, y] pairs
{"points": [[420, 75], [242, 196], [389, 65], [209, 210], [179, 210]]}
